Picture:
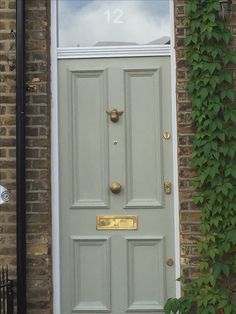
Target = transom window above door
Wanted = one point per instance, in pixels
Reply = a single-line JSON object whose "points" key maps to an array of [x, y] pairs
{"points": [[113, 23]]}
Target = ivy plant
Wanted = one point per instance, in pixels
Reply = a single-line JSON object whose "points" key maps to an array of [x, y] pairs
{"points": [[212, 96]]}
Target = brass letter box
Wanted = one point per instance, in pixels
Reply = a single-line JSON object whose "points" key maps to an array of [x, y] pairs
{"points": [[124, 222]]}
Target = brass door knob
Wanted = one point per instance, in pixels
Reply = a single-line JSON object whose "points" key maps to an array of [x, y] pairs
{"points": [[170, 262], [115, 187], [114, 115]]}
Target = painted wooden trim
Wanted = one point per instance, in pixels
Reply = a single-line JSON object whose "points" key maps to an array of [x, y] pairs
{"points": [[111, 52], [175, 151], [55, 166]]}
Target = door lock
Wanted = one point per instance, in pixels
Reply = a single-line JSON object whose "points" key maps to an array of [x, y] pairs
{"points": [[114, 115], [167, 187]]}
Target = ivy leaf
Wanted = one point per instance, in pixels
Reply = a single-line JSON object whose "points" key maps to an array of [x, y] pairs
{"points": [[228, 93], [225, 246], [191, 87], [226, 37], [197, 102], [191, 38], [228, 309], [214, 146], [209, 17], [212, 67], [214, 5], [214, 52], [228, 77], [188, 40], [216, 35], [214, 81], [231, 171], [232, 58], [224, 190], [216, 270], [191, 7], [204, 265], [204, 93], [198, 199], [232, 115], [221, 136], [225, 269], [204, 228], [232, 236]]}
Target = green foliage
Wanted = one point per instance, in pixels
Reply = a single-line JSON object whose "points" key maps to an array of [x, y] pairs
{"points": [[214, 148]]}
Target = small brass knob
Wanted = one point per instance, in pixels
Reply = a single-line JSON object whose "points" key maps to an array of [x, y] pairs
{"points": [[170, 262], [166, 135], [115, 187], [114, 115]]}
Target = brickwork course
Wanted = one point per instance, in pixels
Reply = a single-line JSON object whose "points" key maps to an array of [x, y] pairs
{"points": [[38, 103]]}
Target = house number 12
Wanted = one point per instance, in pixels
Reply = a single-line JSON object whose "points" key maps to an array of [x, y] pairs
{"points": [[114, 16]]}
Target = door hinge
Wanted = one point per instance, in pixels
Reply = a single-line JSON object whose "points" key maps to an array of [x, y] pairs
{"points": [[167, 187]]}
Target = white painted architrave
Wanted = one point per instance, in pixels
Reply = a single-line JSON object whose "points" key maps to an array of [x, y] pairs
{"points": [[61, 53], [55, 165], [175, 150]]}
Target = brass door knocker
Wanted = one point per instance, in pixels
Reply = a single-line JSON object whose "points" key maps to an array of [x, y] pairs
{"points": [[114, 115]]}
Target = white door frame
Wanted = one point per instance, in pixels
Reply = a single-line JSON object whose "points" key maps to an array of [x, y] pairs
{"points": [[55, 148]]}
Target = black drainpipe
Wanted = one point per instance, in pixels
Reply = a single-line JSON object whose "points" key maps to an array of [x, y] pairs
{"points": [[20, 157]]}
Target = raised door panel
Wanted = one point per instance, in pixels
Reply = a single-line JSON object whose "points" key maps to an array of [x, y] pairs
{"points": [[145, 274], [90, 283], [143, 144], [89, 134]]}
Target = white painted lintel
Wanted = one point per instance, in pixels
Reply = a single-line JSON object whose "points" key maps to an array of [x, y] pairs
{"points": [[114, 51]]}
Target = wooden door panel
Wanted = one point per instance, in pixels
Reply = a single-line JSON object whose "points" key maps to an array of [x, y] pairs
{"points": [[91, 281], [90, 139], [143, 141], [146, 280]]}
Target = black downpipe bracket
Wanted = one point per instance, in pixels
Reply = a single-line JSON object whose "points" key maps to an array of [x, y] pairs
{"points": [[20, 157]]}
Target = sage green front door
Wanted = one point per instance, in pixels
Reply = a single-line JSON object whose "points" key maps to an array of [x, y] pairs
{"points": [[116, 216]]}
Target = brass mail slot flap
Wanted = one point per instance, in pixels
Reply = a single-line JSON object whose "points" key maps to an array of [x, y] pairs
{"points": [[124, 222]]}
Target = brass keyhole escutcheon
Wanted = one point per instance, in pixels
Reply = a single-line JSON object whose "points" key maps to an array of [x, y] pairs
{"points": [[115, 187], [170, 262], [114, 115]]}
